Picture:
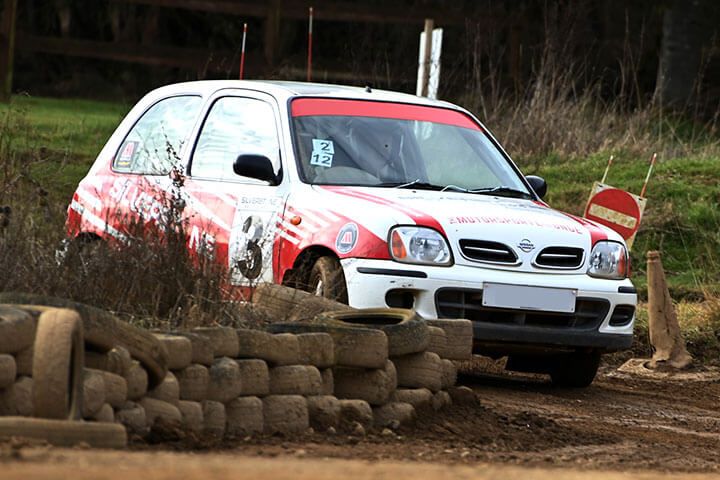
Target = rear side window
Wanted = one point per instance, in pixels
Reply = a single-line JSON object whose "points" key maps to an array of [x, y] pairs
{"points": [[234, 126], [153, 144]]}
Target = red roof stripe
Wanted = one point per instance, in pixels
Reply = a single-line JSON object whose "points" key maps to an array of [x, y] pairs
{"points": [[303, 107]]}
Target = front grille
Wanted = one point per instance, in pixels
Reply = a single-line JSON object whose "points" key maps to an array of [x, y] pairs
{"points": [[560, 257], [467, 304], [485, 251]]}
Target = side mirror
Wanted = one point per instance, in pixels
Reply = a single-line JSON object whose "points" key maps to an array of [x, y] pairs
{"points": [[538, 184], [255, 166]]}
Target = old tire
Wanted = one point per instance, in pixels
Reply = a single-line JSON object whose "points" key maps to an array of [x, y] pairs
{"points": [[64, 433], [58, 365], [223, 339], [254, 377], [393, 414], [17, 398], [23, 361], [105, 414], [438, 340], [406, 332], [354, 347], [193, 381], [316, 349], [281, 349], [324, 411], [295, 380], [355, 411], [225, 381], [449, 374], [417, 397], [104, 331], [116, 389], [117, 361], [17, 329], [215, 418], [179, 350], [93, 393], [8, 370], [458, 338], [203, 352], [374, 386], [244, 416], [419, 370], [132, 416], [137, 381], [285, 414], [290, 304], [158, 410], [576, 370], [168, 391], [192, 416]]}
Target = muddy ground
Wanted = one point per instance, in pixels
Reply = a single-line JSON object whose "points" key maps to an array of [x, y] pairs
{"points": [[621, 423]]}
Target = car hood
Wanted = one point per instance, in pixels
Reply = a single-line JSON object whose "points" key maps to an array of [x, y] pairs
{"points": [[525, 226]]}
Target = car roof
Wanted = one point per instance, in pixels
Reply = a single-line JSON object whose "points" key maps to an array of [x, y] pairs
{"points": [[286, 89]]}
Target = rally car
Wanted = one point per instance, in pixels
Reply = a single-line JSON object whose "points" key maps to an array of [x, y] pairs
{"points": [[373, 198]]}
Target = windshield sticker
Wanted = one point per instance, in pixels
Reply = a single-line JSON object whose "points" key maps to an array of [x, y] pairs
{"points": [[322, 153], [127, 154]]}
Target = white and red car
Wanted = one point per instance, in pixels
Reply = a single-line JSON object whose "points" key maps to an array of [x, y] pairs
{"points": [[375, 198]]}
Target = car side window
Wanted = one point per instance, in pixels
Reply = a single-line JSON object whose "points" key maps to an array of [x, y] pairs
{"points": [[153, 144], [235, 126]]}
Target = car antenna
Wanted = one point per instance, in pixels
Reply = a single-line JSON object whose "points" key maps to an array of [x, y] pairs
{"points": [[368, 88]]}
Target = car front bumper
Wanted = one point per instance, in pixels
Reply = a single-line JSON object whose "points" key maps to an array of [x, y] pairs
{"points": [[436, 291]]}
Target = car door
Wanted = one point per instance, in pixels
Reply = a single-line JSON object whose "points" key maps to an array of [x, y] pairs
{"points": [[138, 184], [236, 216]]}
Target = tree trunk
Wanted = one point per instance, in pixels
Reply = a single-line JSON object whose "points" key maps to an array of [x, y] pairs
{"points": [[685, 32]]}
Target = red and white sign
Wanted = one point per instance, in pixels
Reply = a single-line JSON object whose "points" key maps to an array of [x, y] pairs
{"points": [[616, 209]]}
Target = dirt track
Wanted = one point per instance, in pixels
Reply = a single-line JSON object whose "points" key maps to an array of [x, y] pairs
{"points": [[620, 423]]}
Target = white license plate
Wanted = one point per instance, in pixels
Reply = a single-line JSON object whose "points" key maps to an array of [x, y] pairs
{"points": [[521, 297]]}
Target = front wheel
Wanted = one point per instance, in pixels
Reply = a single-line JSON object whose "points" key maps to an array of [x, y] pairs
{"points": [[576, 370], [327, 280]]}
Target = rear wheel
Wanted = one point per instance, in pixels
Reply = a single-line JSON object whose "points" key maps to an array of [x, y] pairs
{"points": [[327, 279], [576, 370]]}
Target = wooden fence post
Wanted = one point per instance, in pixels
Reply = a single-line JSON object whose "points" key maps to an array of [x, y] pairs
{"points": [[7, 48]]}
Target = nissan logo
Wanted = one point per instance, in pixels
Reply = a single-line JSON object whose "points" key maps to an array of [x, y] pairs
{"points": [[526, 245]]}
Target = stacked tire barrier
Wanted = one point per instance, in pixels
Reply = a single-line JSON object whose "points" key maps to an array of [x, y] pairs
{"points": [[348, 370]]}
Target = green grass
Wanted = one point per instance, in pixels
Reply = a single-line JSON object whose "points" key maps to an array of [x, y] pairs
{"points": [[61, 138], [681, 218], [58, 138]]}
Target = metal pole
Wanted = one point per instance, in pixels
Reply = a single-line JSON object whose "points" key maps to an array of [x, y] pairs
{"points": [[310, 44], [647, 177], [607, 169], [429, 24], [242, 52]]}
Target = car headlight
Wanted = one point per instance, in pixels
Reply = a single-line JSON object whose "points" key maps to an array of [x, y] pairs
{"points": [[419, 245], [609, 260]]}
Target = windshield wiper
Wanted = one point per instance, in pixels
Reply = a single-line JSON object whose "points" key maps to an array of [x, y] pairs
{"points": [[501, 191], [420, 185]]}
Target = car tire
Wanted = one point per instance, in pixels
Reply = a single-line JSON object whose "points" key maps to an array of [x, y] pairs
{"points": [[58, 365], [327, 280], [354, 346], [17, 329], [65, 433], [103, 331], [575, 370], [407, 333]]}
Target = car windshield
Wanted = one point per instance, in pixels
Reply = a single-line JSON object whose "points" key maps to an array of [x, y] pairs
{"points": [[363, 143]]}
